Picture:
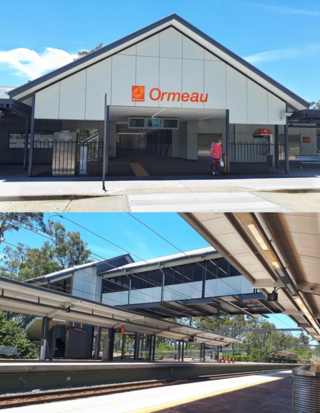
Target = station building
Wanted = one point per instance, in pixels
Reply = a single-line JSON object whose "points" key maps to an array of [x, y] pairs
{"points": [[189, 284], [152, 103]]}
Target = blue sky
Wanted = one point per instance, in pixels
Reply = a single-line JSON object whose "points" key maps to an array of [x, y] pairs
{"points": [[123, 230], [281, 38]]}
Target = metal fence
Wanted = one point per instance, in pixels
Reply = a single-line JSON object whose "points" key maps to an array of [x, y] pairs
{"points": [[253, 157], [65, 158]]}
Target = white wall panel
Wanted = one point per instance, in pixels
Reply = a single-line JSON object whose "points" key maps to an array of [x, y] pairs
{"points": [[192, 81], [47, 102], [72, 96], [236, 95], [117, 298], [123, 78], [190, 50], [170, 80], [257, 103], [275, 108], [192, 146], [171, 44], [145, 295], [210, 56], [132, 51], [182, 291], [98, 83], [148, 76], [215, 84], [149, 47]]}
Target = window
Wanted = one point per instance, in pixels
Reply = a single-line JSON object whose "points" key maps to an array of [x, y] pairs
{"points": [[168, 276], [223, 268], [178, 275], [158, 278], [197, 276], [187, 273], [234, 271], [211, 269]]}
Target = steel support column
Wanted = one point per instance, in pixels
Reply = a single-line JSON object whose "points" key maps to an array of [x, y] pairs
{"points": [[123, 345], [286, 141], [182, 353], [136, 346], [111, 343], [276, 145], [179, 347], [98, 343], [154, 347], [25, 153], [105, 141], [31, 135], [227, 142], [204, 352]]}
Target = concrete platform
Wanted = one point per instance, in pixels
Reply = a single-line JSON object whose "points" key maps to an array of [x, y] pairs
{"points": [[17, 376], [264, 393]]}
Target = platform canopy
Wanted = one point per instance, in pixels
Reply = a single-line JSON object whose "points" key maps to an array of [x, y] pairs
{"points": [[23, 298], [276, 252]]}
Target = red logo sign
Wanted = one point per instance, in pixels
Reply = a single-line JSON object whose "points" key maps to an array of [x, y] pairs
{"points": [[306, 139], [137, 93]]}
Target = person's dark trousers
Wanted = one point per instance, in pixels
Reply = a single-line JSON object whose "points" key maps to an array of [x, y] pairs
{"points": [[215, 164]]}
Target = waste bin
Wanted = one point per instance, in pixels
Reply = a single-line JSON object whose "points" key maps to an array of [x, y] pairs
{"points": [[306, 389]]}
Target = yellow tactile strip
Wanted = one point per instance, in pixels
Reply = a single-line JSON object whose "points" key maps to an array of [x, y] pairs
{"points": [[191, 399], [138, 169]]}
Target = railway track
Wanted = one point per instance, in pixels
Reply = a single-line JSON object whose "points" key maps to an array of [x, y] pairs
{"points": [[51, 396]]}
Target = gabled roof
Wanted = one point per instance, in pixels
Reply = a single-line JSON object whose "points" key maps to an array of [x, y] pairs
{"points": [[101, 265], [174, 259], [185, 28]]}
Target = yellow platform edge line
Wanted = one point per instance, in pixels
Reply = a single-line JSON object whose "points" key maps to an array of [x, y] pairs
{"points": [[192, 399], [138, 169]]}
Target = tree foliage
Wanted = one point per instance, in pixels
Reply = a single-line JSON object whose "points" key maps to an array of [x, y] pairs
{"points": [[12, 222], [86, 52], [12, 335]]}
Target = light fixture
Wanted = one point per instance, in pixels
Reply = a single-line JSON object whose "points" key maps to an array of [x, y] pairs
{"points": [[68, 309], [157, 113], [307, 314], [275, 265], [254, 231]]}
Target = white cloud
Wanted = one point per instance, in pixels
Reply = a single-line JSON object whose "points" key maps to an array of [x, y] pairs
{"points": [[30, 64], [289, 10], [281, 54]]}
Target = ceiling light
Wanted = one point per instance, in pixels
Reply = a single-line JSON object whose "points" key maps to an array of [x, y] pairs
{"points": [[275, 265], [258, 237], [307, 314]]}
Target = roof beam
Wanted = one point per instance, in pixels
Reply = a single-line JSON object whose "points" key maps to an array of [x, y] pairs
{"points": [[268, 283], [308, 287]]}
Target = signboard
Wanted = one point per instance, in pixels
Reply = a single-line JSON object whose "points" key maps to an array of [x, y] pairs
{"points": [[153, 123], [306, 139], [137, 94]]}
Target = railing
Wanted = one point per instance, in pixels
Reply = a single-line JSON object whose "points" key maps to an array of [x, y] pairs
{"points": [[257, 157], [67, 158]]}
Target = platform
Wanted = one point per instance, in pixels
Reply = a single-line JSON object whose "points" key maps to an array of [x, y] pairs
{"points": [[17, 376], [264, 393]]}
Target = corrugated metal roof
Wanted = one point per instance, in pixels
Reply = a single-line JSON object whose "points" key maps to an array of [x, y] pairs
{"points": [[141, 265]]}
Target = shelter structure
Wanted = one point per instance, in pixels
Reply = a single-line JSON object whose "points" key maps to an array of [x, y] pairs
{"points": [[157, 99], [277, 253]]}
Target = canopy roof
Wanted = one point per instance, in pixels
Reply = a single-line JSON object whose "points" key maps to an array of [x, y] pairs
{"points": [[29, 299], [175, 21], [272, 250]]}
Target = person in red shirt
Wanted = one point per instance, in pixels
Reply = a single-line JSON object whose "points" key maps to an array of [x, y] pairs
{"points": [[216, 149]]}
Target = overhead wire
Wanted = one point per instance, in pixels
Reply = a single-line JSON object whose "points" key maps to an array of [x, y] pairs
{"points": [[38, 231]]}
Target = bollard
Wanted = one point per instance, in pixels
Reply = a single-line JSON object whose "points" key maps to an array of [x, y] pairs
{"points": [[233, 360]]}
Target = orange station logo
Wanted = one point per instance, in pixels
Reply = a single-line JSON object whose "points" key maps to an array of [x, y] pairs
{"points": [[137, 93]]}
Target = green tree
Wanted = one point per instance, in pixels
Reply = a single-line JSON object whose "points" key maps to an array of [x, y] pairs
{"points": [[86, 52], [12, 222], [12, 335]]}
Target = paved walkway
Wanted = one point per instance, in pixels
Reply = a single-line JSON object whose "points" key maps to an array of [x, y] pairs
{"points": [[206, 202], [20, 193], [264, 393]]}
